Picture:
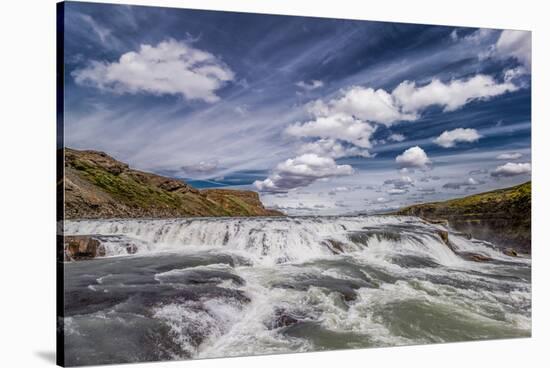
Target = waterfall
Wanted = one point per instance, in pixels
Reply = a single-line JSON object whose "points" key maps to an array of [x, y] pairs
{"points": [[276, 240]]}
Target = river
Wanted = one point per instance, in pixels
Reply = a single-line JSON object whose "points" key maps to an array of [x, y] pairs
{"points": [[217, 287]]}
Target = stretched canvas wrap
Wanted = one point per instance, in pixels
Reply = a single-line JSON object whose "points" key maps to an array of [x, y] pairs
{"points": [[239, 184]]}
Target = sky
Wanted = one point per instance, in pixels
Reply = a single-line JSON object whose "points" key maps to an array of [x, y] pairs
{"points": [[320, 116]]}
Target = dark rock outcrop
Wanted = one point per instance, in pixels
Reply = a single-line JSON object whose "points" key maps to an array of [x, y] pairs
{"points": [[502, 216], [80, 247]]}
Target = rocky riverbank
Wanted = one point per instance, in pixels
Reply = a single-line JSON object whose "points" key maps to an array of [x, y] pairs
{"points": [[98, 186], [502, 216]]}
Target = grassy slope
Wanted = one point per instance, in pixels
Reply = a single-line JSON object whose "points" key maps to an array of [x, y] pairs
{"points": [[502, 216], [98, 186]]}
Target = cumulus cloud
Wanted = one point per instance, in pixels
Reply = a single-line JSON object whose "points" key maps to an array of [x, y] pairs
{"points": [[414, 157], [169, 68], [509, 156], [363, 103], [512, 169], [515, 44], [450, 96], [407, 100], [396, 137], [449, 139], [332, 148], [314, 84], [302, 171], [400, 183], [338, 126], [460, 184], [343, 126]]}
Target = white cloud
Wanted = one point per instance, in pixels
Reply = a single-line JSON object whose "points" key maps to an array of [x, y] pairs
{"points": [[450, 138], [414, 157], [515, 44], [395, 191], [344, 125], [407, 100], [460, 184], [241, 110], [403, 182], [302, 171], [512, 169], [396, 137], [363, 103], [450, 96], [479, 36], [509, 156], [202, 167], [171, 67], [102, 32], [338, 126], [514, 73], [454, 35], [314, 84], [332, 148]]}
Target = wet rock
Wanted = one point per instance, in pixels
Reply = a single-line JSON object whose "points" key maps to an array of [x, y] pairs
{"points": [[476, 257], [335, 246], [444, 235], [131, 248], [286, 318], [436, 221], [201, 277], [81, 247], [283, 319], [346, 288], [363, 237], [411, 261], [510, 252]]}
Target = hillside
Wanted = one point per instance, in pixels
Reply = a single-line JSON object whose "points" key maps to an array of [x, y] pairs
{"points": [[501, 216], [98, 186]]}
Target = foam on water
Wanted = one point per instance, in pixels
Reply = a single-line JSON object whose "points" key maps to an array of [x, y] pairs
{"points": [[269, 241], [305, 283]]}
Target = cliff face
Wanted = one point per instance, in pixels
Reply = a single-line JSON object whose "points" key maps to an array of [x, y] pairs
{"points": [[502, 216], [98, 186]]}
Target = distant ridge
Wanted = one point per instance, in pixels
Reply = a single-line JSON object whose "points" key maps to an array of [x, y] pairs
{"points": [[98, 186], [500, 216]]}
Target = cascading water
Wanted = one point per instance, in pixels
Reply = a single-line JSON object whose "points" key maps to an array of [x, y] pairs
{"points": [[211, 287]]}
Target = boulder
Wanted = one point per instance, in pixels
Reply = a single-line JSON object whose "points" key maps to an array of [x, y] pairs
{"points": [[478, 257], [510, 252], [444, 235], [131, 248], [335, 246], [80, 247]]}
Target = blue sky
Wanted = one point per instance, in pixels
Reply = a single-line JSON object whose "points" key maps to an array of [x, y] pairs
{"points": [[322, 116]]}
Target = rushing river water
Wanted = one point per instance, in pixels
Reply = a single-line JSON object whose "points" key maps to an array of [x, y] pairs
{"points": [[199, 288]]}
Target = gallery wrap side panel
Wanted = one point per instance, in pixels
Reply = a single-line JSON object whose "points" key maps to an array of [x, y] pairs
{"points": [[60, 333]]}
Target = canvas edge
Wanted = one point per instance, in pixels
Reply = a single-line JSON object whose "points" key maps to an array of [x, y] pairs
{"points": [[60, 275]]}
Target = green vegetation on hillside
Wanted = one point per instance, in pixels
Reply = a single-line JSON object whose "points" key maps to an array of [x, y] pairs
{"points": [[98, 186], [502, 216]]}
